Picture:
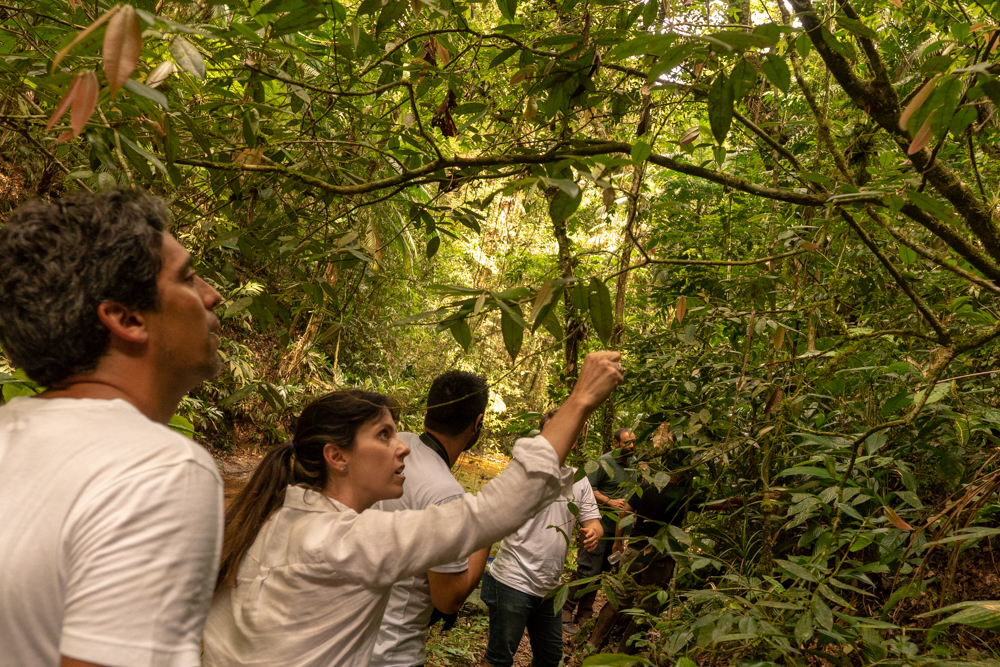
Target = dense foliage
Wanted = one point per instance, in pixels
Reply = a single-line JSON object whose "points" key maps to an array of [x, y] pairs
{"points": [[784, 215]]}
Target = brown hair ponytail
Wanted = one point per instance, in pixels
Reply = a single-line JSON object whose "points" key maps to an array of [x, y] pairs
{"points": [[334, 418]]}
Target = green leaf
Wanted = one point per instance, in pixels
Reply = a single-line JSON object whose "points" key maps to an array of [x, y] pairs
{"points": [[930, 205], [562, 206], [744, 77], [508, 8], [392, 11], [433, 245], [641, 151], [303, 18], [821, 612], [143, 90], [601, 314], [776, 71], [188, 56], [720, 106], [462, 333], [182, 425], [804, 627], [513, 334], [251, 122], [795, 570]]}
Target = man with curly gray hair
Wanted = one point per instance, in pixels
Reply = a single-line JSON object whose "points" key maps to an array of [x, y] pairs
{"points": [[110, 522]]}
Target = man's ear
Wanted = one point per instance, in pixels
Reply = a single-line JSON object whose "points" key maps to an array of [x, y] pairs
{"points": [[124, 323], [334, 457], [478, 424]]}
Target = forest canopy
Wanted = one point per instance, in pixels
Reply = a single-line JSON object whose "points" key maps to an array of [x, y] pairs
{"points": [[783, 214]]}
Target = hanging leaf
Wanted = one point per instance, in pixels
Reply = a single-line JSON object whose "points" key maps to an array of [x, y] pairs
{"points": [[601, 314], [462, 333], [682, 306], [86, 32], [720, 106], [160, 73], [579, 298], [923, 137], [542, 299], [433, 245], [895, 520], [82, 97], [122, 47], [513, 334], [251, 122], [508, 8], [188, 56], [916, 102], [776, 71], [744, 76], [562, 206]]}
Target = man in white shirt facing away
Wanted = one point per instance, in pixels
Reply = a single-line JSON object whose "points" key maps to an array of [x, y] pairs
{"points": [[110, 522], [456, 405], [526, 569]]}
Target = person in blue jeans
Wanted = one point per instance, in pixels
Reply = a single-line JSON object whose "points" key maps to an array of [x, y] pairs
{"points": [[526, 569]]}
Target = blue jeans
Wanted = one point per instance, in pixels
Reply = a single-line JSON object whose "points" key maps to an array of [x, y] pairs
{"points": [[511, 611]]}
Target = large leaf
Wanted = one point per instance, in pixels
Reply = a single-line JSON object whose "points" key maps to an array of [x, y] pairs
{"points": [[513, 334], [508, 8], [562, 206], [188, 56], [720, 106], [122, 47], [601, 313], [462, 333], [776, 71]]}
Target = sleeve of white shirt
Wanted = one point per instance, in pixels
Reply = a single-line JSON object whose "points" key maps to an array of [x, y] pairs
{"points": [[380, 548], [141, 562], [585, 501], [456, 566]]}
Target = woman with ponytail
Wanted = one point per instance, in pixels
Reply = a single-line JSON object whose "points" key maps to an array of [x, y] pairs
{"points": [[307, 567]]}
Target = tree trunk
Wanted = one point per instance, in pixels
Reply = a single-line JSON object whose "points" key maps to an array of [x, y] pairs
{"points": [[575, 330]]}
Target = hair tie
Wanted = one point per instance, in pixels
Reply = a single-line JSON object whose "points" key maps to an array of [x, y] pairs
{"points": [[291, 444]]}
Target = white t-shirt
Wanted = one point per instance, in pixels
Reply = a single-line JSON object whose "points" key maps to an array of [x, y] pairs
{"points": [[402, 638], [110, 532], [312, 588], [531, 560]]}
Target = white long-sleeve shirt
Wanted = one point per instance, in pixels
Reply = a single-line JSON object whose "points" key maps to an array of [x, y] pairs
{"points": [[313, 587]]}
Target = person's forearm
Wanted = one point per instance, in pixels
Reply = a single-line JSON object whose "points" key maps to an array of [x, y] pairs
{"points": [[601, 498], [565, 426], [477, 563]]}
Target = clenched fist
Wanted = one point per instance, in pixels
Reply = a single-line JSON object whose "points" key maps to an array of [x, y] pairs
{"points": [[600, 375]]}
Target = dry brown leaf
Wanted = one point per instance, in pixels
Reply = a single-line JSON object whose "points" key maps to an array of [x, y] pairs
{"points": [[443, 56], [84, 101], [923, 137], [779, 337], [608, 197], [74, 3], [83, 35], [774, 401], [895, 520], [898, 3], [64, 103], [530, 109], [416, 6], [916, 102], [160, 73], [122, 47], [810, 246], [682, 307], [518, 78]]}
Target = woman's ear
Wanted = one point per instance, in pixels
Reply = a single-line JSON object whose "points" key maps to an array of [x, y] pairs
{"points": [[334, 457]]}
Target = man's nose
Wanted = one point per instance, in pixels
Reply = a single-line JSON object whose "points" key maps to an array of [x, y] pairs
{"points": [[211, 296]]}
